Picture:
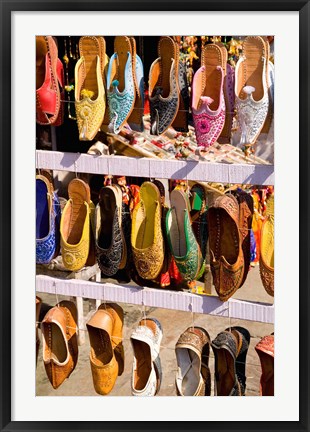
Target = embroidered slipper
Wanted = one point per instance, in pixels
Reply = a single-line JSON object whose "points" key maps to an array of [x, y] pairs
{"points": [[89, 89], [180, 123], [120, 84], [208, 103], [164, 92], [270, 84], [265, 351], [266, 261], [135, 120]]}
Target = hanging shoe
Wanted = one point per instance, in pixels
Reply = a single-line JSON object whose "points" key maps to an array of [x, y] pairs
{"points": [[266, 261], [38, 308], [265, 351], [199, 217], [225, 243], [180, 123], [89, 89], [75, 226], [164, 92], [47, 221], [251, 90], [106, 356], [192, 353], [59, 335], [120, 84], [48, 73], [270, 84], [135, 119], [230, 350], [146, 235], [182, 241], [146, 370], [110, 242], [208, 102]]}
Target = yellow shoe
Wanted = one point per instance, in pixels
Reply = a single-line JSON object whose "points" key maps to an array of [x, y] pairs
{"points": [[146, 234], [266, 262], [75, 226]]}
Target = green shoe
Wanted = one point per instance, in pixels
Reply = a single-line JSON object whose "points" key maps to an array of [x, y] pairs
{"points": [[181, 239]]}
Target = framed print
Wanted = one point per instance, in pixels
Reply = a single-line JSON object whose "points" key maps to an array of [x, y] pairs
{"points": [[153, 193]]}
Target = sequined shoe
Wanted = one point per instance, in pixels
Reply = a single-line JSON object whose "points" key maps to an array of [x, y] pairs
{"points": [[183, 244], [75, 226], [164, 92], [251, 90], [110, 242], [192, 353], [225, 243], [208, 103], [146, 369], [59, 335], [120, 84], [89, 89], [230, 350], [47, 221], [146, 234], [266, 261], [265, 351]]}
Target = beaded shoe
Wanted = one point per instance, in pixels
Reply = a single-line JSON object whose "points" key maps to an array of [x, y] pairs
{"points": [[59, 335], [225, 243], [47, 221], [120, 84], [89, 89], [192, 353], [266, 261], [146, 369], [265, 351]]}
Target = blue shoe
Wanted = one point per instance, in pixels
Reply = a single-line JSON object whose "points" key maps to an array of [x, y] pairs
{"points": [[47, 221]]}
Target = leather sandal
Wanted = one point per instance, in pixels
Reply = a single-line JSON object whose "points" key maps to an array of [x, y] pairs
{"points": [[265, 351]]}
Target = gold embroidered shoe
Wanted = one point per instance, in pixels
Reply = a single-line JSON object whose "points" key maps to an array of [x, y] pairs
{"points": [[225, 242], [89, 89], [146, 233], [75, 226], [266, 262]]}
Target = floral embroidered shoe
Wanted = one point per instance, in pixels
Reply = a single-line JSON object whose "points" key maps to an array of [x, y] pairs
{"points": [[208, 103], [47, 221], [146, 370], [135, 119], [164, 92], [225, 243], [75, 226], [192, 353], [251, 91], [183, 244], [266, 261], [146, 235], [265, 351], [230, 350], [110, 243], [89, 88], [120, 84]]}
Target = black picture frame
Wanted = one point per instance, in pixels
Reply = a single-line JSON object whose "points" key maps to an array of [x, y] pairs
{"points": [[7, 7]]}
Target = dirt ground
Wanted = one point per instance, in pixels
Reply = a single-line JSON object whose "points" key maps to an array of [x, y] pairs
{"points": [[173, 324]]}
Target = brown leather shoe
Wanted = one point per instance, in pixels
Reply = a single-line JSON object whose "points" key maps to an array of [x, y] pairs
{"points": [[266, 261], [60, 349], [106, 354], [225, 242], [265, 351]]}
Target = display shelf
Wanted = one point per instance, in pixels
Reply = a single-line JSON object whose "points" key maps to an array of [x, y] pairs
{"points": [[154, 297], [156, 168]]}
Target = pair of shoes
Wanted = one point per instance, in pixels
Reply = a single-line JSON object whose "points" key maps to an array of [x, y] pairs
{"points": [[49, 82], [168, 89], [229, 223], [146, 370], [105, 331], [90, 99], [60, 348], [111, 249], [192, 352], [254, 76], [230, 350], [48, 215], [265, 351], [181, 238], [125, 86], [76, 226], [266, 260], [208, 102]]}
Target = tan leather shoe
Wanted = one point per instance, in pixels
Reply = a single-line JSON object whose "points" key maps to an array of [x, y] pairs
{"points": [[106, 354], [266, 261], [60, 349]]}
